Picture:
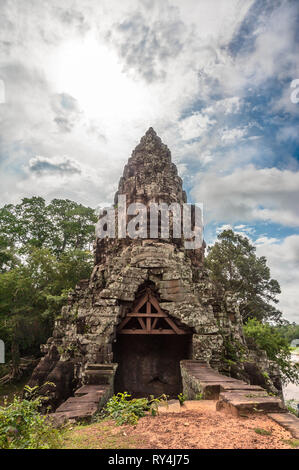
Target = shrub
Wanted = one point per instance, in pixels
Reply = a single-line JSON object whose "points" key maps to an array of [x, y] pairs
{"points": [[199, 396], [23, 427], [182, 398], [126, 411]]}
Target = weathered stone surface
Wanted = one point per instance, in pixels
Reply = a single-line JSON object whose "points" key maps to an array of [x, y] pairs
{"points": [[243, 402], [86, 331], [86, 402], [287, 421], [234, 396]]}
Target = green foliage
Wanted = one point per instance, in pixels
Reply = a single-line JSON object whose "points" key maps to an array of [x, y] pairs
{"points": [[292, 442], [23, 427], [128, 411], [234, 265], [199, 396], [182, 398], [263, 432], [292, 406], [32, 294], [233, 350], [288, 330], [60, 226], [268, 338], [44, 252]]}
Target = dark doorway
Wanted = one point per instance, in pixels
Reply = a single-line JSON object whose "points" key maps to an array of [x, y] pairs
{"points": [[150, 364]]}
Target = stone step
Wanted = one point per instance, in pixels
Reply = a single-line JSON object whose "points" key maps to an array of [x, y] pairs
{"points": [[234, 396], [287, 421], [100, 367], [107, 372], [87, 401], [98, 377], [90, 389], [242, 402]]}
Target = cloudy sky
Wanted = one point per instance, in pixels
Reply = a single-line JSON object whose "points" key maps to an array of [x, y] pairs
{"points": [[82, 80]]}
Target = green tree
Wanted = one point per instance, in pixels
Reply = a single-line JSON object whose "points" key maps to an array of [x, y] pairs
{"points": [[288, 330], [73, 225], [277, 347], [59, 226], [233, 264], [44, 252], [32, 294]]}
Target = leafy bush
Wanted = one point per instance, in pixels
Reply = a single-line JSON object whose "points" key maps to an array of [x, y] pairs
{"points": [[269, 339], [23, 427], [182, 398], [126, 411]]}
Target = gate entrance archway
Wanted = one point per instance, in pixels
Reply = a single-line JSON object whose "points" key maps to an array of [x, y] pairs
{"points": [[148, 349]]}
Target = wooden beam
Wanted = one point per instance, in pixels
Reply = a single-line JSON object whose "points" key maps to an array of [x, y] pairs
{"points": [[123, 323], [173, 325], [141, 322], [141, 303], [159, 315], [145, 332], [155, 303], [145, 319]]}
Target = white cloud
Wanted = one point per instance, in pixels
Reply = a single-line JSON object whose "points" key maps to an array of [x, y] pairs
{"points": [[194, 126], [224, 227], [226, 106], [85, 79], [266, 240], [230, 136], [251, 194], [283, 260]]}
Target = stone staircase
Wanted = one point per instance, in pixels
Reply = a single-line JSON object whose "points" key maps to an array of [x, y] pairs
{"points": [[97, 388], [99, 374], [234, 396]]}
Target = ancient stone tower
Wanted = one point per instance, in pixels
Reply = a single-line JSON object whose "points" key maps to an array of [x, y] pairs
{"points": [[148, 304]]}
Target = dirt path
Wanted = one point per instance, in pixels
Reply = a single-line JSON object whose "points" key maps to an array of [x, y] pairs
{"points": [[203, 428]]}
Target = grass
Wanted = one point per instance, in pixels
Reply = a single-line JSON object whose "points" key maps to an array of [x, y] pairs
{"points": [[262, 432], [101, 435], [292, 442]]}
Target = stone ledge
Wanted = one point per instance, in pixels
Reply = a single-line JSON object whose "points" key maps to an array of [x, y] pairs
{"points": [[246, 401], [288, 421]]}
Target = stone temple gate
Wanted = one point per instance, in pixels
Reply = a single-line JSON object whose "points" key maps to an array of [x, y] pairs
{"points": [[148, 348], [148, 305]]}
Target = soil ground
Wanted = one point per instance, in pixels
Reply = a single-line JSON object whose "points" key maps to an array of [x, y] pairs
{"points": [[203, 428]]}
